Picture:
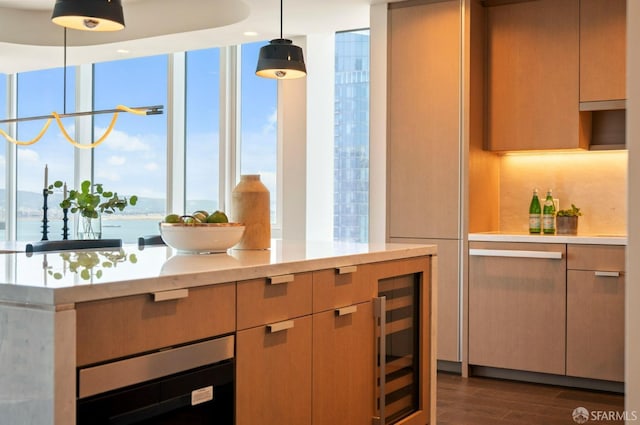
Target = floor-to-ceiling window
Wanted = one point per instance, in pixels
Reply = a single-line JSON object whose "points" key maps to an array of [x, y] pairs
{"points": [[202, 119], [133, 160], [41, 93], [351, 157], [3, 159], [259, 147]]}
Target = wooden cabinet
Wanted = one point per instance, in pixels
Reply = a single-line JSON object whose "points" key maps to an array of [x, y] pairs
{"points": [[517, 305], [533, 77], [595, 312], [273, 374], [423, 174], [113, 328], [344, 366], [602, 50], [273, 350], [428, 141]]}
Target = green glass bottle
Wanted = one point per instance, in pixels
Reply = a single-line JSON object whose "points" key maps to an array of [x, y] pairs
{"points": [[535, 213], [549, 215]]}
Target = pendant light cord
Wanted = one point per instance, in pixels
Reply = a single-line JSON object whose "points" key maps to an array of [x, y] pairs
{"points": [[281, 19], [64, 75]]}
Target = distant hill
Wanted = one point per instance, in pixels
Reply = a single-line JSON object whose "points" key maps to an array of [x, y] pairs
{"points": [[31, 205]]}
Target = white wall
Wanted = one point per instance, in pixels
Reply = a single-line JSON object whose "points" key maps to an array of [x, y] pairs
{"points": [[378, 124], [632, 375]]}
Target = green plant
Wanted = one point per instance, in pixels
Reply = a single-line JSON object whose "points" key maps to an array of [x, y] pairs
{"points": [[571, 212], [91, 199]]}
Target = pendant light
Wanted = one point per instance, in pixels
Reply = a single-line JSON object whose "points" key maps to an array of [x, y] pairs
{"points": [[281, 58], [138, 110], [89, 15]]}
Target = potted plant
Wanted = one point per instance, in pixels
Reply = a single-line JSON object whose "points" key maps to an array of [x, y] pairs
{"points": [[90, 202], [567, 220]]}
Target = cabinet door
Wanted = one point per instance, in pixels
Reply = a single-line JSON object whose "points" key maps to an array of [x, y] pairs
{"points": [[603, 35], [273, 374], [423, 103], [595, 325], [517, 306], [344, 366], [532, 76]]}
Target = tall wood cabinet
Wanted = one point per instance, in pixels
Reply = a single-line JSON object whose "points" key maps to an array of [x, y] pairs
{"points": [[424, 154], [436, 166]]}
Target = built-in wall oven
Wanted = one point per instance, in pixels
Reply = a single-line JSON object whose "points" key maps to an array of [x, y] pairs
{"points": [[191, 384]]}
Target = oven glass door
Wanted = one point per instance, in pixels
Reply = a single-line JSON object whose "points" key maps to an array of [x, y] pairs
{"points": [[195, 397]]}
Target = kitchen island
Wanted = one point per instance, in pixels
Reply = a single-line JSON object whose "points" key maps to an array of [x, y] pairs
{"points": [[64, 311]]}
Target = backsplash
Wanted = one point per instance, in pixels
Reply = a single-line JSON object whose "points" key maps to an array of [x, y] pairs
{"points": [[596, 182]]}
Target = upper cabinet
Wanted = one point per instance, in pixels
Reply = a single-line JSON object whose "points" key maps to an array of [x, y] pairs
{"points": [[602, 50], [532, 77]]}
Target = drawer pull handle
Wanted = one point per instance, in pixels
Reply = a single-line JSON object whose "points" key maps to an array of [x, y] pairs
{"points": [[553, 255], [280, 326], [276, 280], [347, 269], [607, 274], [170, 295], [343, 311]]}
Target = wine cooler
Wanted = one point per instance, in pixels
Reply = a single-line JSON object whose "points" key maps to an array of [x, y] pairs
{"points": [[397, 317]]}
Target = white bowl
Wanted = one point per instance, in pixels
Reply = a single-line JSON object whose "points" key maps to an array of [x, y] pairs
{"points": [[194, 263], [201, 237]]}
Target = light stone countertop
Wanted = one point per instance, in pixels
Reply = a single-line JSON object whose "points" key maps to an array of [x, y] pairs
{"points": [[48, 279], [566, 239]]}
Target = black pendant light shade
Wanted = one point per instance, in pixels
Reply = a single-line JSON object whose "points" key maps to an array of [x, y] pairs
{"points": [[281, 59], [89, 15]]}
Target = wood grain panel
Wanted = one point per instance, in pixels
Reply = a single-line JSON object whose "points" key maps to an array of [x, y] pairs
{"points": [[517, 309], [532, 80], [113, 328], [595, 326], [260, 302], [596, 257], [343, 367], [603, 35], [273, 375], [331, 290], [423, 170]]}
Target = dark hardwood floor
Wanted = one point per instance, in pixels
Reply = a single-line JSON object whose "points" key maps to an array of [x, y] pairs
{"points": [[485, 401]]}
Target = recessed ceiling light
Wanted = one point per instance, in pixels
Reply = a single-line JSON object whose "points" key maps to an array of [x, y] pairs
{"points": [[250, 33], [123, 51]]}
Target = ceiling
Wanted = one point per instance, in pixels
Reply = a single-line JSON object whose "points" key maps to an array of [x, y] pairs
{"points": [[29, 40]]}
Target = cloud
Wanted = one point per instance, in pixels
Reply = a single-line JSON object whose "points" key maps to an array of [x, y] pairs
{"points": [[272, 122], [28, 155], [151, 166], [121, 141], [116, 160]]}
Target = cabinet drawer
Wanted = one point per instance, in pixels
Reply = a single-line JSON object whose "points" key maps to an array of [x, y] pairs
{"points": [[262, 301], [341, 287], [109, 329], [595, 257]]}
